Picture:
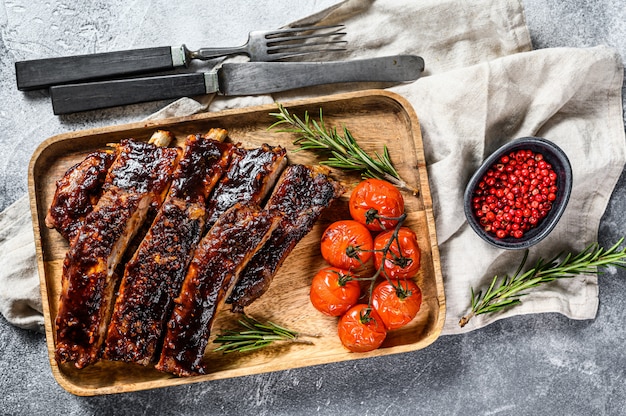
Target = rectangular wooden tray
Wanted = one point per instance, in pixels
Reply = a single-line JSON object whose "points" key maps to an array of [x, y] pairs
{"points": [[375, 118]]}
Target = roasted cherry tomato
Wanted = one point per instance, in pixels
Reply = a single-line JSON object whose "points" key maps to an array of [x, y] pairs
{"points": [[361, 329], [402, 262], [334, 291], [373, 202], [347, 244], [397, 302]]}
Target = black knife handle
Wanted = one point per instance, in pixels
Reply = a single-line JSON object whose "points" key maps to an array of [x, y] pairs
{"points": [[44, 73], [73, 98]]}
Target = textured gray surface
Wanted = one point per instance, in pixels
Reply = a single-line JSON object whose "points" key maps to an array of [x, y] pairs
{"points": [[540, 364]]}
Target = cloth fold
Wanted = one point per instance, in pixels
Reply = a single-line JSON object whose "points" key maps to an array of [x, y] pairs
{"points": [[20, 299], [467, 114], [483, 87]]}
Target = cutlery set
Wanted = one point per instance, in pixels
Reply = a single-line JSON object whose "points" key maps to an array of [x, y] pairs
{"points": [[101, 80]]}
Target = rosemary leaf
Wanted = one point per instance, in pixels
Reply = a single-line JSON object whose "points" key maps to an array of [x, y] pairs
{"points": [[255, 335], [342, 152], [507, 291]]}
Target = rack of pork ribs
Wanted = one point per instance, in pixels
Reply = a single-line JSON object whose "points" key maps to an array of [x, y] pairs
{"points": [[160, 237]]}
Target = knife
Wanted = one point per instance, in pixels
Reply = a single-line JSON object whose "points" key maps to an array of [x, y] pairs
{"points": [[249, 78]]}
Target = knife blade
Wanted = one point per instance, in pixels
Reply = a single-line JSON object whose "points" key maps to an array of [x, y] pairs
{"points": [[250, 78]]}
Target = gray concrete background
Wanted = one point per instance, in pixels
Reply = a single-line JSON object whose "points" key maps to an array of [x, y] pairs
{"points": [[540, 364]]}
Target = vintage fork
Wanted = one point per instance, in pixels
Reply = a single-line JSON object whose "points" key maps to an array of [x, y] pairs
{"points": [[269, 45], [274, 45]]}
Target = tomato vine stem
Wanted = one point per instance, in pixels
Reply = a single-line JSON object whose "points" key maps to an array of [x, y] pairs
{"points": [[397, 259]]}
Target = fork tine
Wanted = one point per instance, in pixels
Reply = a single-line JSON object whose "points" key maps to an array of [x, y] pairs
{"points": [[287, 55], [308, 45], [293, 42], [298, 39], [282, 32], [286, 43], [276, 54]]}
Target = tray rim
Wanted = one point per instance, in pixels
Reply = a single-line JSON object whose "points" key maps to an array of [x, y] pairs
{"points": [[424, 187]]}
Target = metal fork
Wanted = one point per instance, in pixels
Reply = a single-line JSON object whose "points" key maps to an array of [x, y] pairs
{"points": [[270, 45], [274, 45]]}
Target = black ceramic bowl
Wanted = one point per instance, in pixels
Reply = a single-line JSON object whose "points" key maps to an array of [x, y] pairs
{"points": [[561, 166]]}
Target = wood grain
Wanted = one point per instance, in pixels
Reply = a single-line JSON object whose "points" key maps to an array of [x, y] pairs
{"points": [[375, 118]]}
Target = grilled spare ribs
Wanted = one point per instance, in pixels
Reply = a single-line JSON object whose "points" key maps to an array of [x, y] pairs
{"points": [[248, 180], [138, 178], [301, 194], [77, 192], [230, 243], [153, 276], [175, 275]]}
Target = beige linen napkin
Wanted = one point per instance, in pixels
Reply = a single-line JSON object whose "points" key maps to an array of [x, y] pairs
{"points": [[20, 300], [483, 86], [569, 96]]}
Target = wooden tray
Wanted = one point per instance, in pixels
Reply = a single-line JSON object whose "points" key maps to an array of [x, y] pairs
{"points": [[375, 118]]}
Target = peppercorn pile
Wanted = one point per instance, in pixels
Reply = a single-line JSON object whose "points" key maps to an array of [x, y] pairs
{"points": [[515, 194]]}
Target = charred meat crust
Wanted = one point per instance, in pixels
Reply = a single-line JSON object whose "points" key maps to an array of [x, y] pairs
{"points": [[175, 282], [217, 262], [250, 176], [138, 178], [153, 277], [88, 281], [301, 194], [77, 192], [142, 168]]}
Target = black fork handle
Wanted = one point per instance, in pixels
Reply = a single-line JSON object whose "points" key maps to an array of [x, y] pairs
{"points": [[44, 73]]}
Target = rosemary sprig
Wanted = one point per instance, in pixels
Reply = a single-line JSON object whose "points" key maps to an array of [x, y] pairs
{"points": [[256, 335], [344, 152], [507, 291]]}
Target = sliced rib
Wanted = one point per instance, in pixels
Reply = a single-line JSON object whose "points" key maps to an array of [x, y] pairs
{"points": [[301, 194], [248, 180], [77, 192], [137, 179], [219, 258], [153, 277]]}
